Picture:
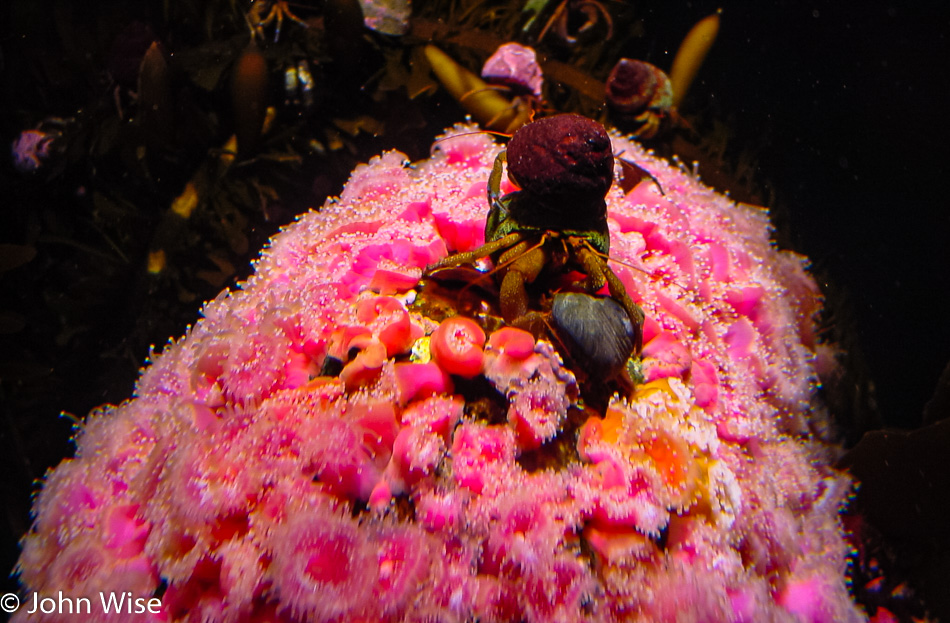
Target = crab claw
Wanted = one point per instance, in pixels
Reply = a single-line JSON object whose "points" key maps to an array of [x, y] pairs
{"points": [[599, 331]]}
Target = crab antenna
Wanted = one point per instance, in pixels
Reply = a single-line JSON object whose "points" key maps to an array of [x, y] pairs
{"points": [[605, 257], [472, 133], [652, 275]]}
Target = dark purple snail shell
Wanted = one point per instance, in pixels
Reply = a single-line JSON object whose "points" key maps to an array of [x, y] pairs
{"points": [[566, 158], [601, 334]]}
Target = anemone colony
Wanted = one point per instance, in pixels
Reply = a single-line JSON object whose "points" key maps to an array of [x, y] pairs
{"points": [[248, 480]]}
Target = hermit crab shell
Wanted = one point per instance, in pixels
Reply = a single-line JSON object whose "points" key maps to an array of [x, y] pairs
{"points": [[564, 157], [636, 86]]}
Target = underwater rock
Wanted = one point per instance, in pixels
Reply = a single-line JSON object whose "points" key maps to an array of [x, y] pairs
{"points": [[240, 485]]}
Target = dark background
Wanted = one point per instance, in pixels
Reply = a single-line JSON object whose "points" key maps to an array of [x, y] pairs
{"points": [[844, 105], [847, 105]]}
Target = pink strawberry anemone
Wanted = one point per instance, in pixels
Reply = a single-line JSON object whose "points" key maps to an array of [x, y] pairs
{"points": [[322, 446]]}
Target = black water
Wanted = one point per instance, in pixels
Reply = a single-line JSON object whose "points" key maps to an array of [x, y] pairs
{"points": [[845, 105]]}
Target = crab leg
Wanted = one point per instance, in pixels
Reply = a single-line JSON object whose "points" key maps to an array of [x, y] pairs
{"points": [[525, 269], [598, 273], [469, 257], [494, 179]]}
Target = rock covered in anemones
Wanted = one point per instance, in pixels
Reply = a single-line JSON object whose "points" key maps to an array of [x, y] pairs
{"points": [[295, 458]]}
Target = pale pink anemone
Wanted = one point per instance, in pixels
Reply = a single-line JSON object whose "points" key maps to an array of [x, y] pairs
{"points": [[31, 150], [239, 485], [515, 66]]}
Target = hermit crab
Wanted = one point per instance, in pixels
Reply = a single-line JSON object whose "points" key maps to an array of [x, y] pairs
{"points": [[263, 13], [640, 98], [556, 223]]}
